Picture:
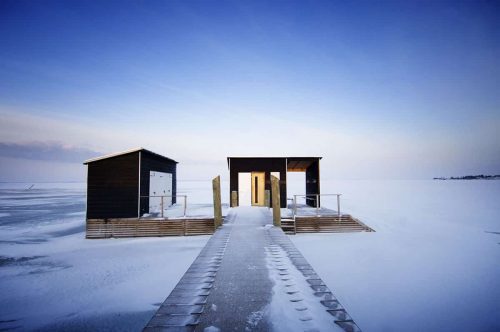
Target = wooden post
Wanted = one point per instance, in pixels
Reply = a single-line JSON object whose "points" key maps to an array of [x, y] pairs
{"points": [[234, 198], [275, 192], [217, 201], [162, 206], [267, 198]]}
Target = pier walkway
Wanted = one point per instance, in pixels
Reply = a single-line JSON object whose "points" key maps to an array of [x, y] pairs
{"points": [[250, 277]]}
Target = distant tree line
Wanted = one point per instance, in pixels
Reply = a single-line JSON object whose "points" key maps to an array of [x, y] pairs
{"points": [[471, 177]]}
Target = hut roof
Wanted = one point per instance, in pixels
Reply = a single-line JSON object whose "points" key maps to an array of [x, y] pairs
{"points": [[116, 154]]}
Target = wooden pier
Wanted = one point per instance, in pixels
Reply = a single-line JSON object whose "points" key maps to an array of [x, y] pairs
{"points": [[246, 271]]}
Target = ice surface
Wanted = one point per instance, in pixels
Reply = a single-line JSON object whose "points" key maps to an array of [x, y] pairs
{"points": [[52, 278], [211, 329], [430, 265]]}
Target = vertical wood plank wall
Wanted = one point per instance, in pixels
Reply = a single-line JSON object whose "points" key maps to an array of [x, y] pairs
{"points": [[312, 183], [113, 184], [112, 187]]}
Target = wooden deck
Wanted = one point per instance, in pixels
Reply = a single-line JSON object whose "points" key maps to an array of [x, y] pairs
{"points": [[324, 224], [133, 227]]}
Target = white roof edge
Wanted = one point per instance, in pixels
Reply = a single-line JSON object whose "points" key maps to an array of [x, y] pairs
{"points": [[284, 157], [113, 155]]}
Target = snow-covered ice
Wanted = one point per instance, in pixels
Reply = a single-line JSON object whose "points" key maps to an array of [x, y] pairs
{"points": [[431, 265], [52, 278]]}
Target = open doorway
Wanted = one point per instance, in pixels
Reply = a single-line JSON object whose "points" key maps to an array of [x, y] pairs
{"points": [[296, 184], [244, 189]]}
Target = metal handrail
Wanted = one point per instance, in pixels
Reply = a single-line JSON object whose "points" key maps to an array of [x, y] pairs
{"points": [[317, 202], [185, 201]]}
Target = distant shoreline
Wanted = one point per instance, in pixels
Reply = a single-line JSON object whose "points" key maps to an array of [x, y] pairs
{"points": [[471, 177]]}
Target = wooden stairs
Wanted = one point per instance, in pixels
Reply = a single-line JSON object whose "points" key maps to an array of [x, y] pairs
{"points": [[323, 224], [288, 225]]}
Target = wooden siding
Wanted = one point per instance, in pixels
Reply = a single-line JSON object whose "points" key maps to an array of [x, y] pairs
{"points": [[266, 165], [112, 187], [153, 162], [133, 227], [330, 224], [312, 183]]}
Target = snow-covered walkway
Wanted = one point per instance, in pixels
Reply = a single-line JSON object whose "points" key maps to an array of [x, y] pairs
{"points": [[250, 277]]}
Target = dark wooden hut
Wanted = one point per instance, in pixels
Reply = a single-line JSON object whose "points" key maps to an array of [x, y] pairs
{"points": [[120, 185]]}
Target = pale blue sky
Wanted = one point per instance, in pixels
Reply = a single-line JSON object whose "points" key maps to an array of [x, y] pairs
{"points": [[379, 89]]}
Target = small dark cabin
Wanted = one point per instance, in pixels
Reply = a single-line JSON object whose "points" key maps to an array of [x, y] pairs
{"points": [[251, 176], [119, 185]]}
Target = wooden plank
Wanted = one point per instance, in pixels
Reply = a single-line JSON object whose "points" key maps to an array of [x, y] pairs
{"points": [[138, 228], [329, 224], [217, 201], [275, 194], [234, 198]]}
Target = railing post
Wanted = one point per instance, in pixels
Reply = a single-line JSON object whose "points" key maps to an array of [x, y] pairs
{"points": [[317, 205], [275, 193], [217, 201], [294, 206], [185, 205], [162, 206], [338, 205]]}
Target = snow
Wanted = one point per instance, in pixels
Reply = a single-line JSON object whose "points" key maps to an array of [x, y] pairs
{"points": [[431, 265], [52, 278], [211, 329], [254, 318], [292, 295], [77, 279]]}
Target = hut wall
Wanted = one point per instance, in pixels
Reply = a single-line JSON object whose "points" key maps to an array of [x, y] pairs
{"points": [[312, 182], [112, 187], [151, 162]]}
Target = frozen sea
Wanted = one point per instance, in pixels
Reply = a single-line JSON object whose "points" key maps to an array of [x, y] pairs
{"points": [[53, 279], [433, 263]]}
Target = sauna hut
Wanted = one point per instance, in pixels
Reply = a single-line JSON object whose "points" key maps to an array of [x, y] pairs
{"points": [[251, 176], [120, 185]]}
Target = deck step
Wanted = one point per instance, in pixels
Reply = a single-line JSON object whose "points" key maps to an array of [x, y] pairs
{"points": [[324, 224], [288, 226]]}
